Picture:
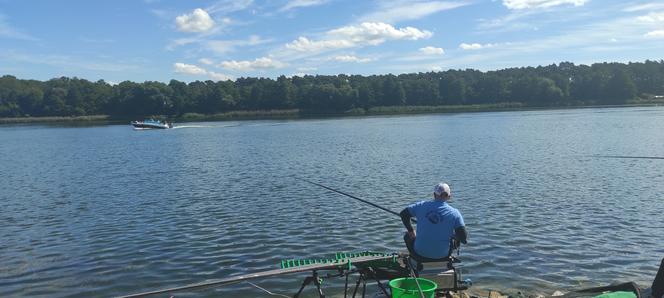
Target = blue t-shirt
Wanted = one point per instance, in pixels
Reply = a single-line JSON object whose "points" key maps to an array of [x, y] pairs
{"points": [[436, 221]]}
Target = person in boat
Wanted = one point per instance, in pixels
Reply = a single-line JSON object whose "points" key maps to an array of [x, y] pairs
{"points": [[438, 226]]}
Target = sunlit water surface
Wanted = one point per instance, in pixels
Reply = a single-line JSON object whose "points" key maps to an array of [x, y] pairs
{"points": [[105, 210]]}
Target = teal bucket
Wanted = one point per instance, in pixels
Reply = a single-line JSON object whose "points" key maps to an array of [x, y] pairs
{"points": [[407, 288]]}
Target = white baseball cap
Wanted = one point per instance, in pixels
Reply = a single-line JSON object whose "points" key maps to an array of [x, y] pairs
{"points": [[442, 188]]}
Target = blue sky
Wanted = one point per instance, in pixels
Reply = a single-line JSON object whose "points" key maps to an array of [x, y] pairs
{"points": [[160, 40]]}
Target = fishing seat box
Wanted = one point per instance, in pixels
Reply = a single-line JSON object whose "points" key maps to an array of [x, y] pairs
{"points": [[438, 273]]}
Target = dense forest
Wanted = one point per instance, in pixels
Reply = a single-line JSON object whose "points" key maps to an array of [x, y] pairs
{"points": [[564, 84]]}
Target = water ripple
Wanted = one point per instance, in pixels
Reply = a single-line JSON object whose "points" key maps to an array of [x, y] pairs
{"points": [[86, 212]]}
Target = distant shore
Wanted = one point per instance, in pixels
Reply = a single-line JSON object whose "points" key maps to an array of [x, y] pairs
{"points": [[298, 114], [91, 118]]}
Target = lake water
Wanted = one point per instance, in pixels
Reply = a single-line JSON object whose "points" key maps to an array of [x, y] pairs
{"points": [[105, 210]]}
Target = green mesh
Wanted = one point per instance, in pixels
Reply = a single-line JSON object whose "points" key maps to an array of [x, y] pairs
{"points": [[341, 257]]}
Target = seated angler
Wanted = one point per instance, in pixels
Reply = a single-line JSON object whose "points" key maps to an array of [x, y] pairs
{"points": [[437, 224]]}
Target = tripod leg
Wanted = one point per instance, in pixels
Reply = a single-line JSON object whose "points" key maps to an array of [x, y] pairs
{"points": [[380, 285], [318, 286], [306, 281], [346, 286], [357, 284]]}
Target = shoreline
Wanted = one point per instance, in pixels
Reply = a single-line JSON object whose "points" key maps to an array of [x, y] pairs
{"points": [[294, 114]]}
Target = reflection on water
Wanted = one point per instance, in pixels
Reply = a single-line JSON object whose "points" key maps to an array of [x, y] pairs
{"points": [[102, 211]]}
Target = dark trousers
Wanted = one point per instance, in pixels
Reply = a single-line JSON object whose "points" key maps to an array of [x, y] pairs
{"points": [[658, 283], [410, 244]]}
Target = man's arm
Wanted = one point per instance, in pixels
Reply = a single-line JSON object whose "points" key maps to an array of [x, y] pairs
{"points": [[405, 218], [461, 234]]}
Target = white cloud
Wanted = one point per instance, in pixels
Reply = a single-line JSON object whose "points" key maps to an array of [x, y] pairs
{"points": [[197, 21], [582, 41], [550, 15], [395, 11], [182, 42], [526, 4], [255, 40], [653, 18], [305, 69], [646, 6], [471, 46], [8, 31], [588, 40], [377, 33], [218, 46], [366, 33], [191, 69], [228, 6], [655, 34], [435, 68], [221, 46], [205, 61], [303, 44], [475, 46], [657, 18], [73, 62], [301, 3], [258, 63], [219, 76], [96, 40], [351, 58], [432, 50], [511, 21], [160, 13], [227, 46]]}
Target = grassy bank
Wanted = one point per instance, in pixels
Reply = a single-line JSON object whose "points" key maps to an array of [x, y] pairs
{"points": [[387, 110], [241, 115], [393, 110], [297, 114], [91, 118]]}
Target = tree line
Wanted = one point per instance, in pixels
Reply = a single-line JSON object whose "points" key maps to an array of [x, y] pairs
{"points": [[564, 84]]}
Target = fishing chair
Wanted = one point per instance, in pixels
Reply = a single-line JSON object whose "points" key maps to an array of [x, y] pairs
{"points": [[442, 271]]}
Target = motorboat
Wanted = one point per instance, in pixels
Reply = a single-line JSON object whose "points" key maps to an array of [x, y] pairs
{"points": [[151, 124]]}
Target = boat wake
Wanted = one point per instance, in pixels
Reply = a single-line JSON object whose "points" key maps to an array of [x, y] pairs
{"points": [[202, 126], [145, 128], [191, 126], [210, 126]]}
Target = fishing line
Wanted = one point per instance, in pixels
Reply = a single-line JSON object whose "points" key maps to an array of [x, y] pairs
{"points": [[627, 156], [266, 291], [412, 273]]}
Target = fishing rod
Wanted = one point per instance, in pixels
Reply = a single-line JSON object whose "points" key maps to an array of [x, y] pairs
{"points": [[323, 266], [340, 264], [452, 247], [353, 197], [628, 157]]}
